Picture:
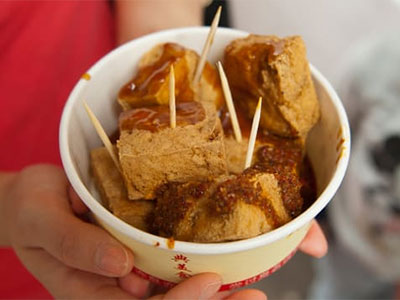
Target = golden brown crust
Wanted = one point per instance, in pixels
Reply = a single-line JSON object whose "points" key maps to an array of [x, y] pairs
{"points": [[186, 168], [190, 153], [150, 86], [277, 70], [113, 193], [224, 209]]}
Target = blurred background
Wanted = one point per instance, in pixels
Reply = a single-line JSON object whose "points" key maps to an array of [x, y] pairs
{"points": [[356, 45]]}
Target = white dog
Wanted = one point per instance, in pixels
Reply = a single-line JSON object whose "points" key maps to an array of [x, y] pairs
{"points": [[364, 258], [366, 215]]}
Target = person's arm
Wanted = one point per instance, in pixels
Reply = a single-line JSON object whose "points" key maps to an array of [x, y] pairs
{"points": [[139, 17]]}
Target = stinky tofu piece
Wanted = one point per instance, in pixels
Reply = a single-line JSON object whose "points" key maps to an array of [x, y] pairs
{"points": [[287, 154], [151, 153], [277, 70], [178, 206], [236, 153], [113, 193], [255, 208], [228, 208], [150, 86]]}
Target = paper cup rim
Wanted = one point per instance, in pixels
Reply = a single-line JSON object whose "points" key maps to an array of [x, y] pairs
{"points": [[190, 247]]}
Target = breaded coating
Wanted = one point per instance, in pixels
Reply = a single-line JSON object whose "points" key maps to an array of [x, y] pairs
{"points": [[235, 154], [277, 70], [225, 209], [150, 86], [113, 193], [150, 158]]}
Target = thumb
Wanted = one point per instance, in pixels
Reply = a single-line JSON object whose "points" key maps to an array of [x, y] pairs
{"points": [[202, 286]]}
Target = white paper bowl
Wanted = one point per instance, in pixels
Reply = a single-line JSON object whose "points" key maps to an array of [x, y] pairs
{"points": [[241, 262]]}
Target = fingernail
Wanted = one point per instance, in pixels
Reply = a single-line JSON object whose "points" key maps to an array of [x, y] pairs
{"points": [[210, 290], [111, 258]]}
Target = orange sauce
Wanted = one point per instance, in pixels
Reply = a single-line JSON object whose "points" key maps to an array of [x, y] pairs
{"points": [[143, 88], [211, 76], [171, 243], [340, 143], [86, 76], [155, 118], [244, 122]]}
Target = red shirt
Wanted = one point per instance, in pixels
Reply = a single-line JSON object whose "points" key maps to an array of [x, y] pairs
{"points": [[44, 49]]}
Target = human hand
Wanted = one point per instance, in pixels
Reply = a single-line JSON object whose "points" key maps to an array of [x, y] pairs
{"points": [[73, 258], [314, 243]]}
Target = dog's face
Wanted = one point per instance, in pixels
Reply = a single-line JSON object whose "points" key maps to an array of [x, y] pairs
{"points": [[379, 140], [372, 184], [385, 157], [371, 190]]}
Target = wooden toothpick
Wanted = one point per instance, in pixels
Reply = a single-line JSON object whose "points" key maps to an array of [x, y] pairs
{"points": [[253, 134], [102, 134], [229, 103], [172, 107], [207, 45]]}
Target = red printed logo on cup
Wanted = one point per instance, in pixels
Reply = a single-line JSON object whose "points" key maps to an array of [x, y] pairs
{"points": [[181, 266]]}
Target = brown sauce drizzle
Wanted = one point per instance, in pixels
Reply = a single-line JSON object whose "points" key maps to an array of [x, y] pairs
{"points": [[245, 127], [174, 200], [211, 76], [272, 48], [244, 123], [293, 172], [284, 158], [149, 79], [259, 54], [241, 188], [155, 118]]}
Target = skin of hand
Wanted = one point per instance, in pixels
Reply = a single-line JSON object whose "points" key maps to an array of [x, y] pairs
{"points": [[43, 220], [132, 17]]}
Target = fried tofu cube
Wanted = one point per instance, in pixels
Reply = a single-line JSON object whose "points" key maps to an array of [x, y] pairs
{"points": [[236, 153], [224, 209], [243, 207], [113, 193], [277, 70], [150, 86], [151, 153]]}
